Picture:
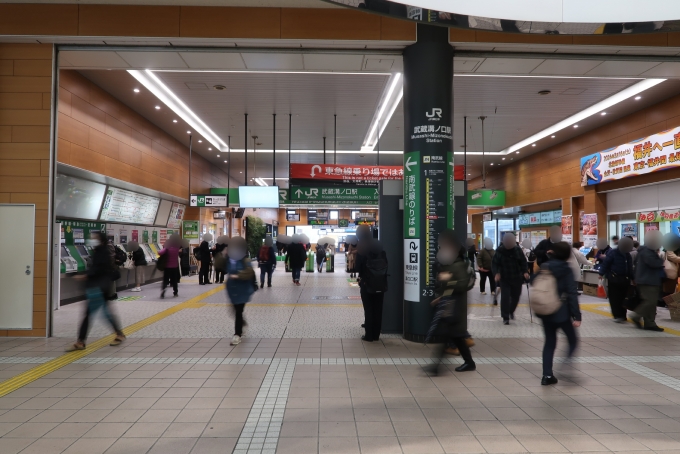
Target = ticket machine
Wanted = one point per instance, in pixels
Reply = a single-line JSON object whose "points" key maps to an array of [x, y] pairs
{"points": [[85, 254], [68, 263], [148, 253]]}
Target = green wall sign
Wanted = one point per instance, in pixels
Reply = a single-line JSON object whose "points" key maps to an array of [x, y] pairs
{"points": [[486, 198], [412, 213], [348, 196], [77, 232], [343, 223], [190, 230]]}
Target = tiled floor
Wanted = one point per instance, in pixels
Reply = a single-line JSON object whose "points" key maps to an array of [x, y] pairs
{"points": [[302, 382]]}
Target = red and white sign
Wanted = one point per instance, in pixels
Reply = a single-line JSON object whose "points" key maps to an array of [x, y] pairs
{"points": [[356, 173]]}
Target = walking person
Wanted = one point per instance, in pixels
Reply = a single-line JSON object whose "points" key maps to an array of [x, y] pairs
{"points": [[484, 261], [603, 249], [352, 255], [530, 254], [544, 248], [649, 271], [567, 317], [139, 259], [98, 283], [241, 283], [219, 253], [184, 257], [320, 257], [617, 267], [509, 267], [204, 257], [296, 258], [372, 278], [453, 273], [266, 259], [171, 271]]}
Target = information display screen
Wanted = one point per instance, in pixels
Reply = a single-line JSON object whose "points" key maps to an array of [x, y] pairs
{"points": [[129, 207], [176, 215], [78, 199], [258, 196]]}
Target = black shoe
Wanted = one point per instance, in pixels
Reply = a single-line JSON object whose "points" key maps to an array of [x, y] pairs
{"points": [[506, 322], [636, 322], [495, 302], [364, 338], [163, 294], [655, 328], [175, 295], [262, 286], [551, 380], [269, 285], [201, 283], [466, 367], [221, 282], [512, 316], [363, 325]]}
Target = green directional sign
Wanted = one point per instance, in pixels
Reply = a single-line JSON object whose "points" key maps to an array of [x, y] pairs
{"points": [[412, 213], [349, 196]]}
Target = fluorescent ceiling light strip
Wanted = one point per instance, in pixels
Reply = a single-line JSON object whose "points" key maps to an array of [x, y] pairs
{"points": [[163, 93], [582, 115], [252, 71], [544, 76], [369, 142], [260, 182], [233, 150]]}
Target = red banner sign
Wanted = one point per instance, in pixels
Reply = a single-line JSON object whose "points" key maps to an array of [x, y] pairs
{"points": [[354, 172]]}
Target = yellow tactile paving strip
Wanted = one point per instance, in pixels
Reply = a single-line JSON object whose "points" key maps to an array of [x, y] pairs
{"points": [[40, 371]]}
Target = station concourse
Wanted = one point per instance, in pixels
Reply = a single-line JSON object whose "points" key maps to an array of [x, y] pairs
{"points": [[132, 132]]}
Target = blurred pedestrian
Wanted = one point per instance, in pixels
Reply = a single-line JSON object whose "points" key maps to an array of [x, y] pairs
{"points": [[204, 271], [577, 260], [603, 249], [471, 251], [484, 260], [568, 315], [371, 265], [184, 257], [530, 254], [171, 270], [649, 272], [617, 267], [98, 283], [544, 248], [241, 283], [320, 256], [454, 277], [139, 259], [296, 258], [352, 255], [509, 267], [266, 258]]}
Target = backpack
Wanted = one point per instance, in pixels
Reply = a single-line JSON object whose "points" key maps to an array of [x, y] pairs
{"points": [[543, 297], [120, 257], [162, 262], [376, 273], [263, 255]]}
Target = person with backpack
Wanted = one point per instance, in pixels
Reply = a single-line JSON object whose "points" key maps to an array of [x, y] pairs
{"points": [[204, 257], [266, 259], [618, 268], [484, 260], [320, 256], [219, 262], [554, 299], [509, 267], [544, 248], [530, 254], [241, 283], [296, 258], [171, 268], [649, 271], [139, 260], [98, 283], [455, 276], [371, 266]]}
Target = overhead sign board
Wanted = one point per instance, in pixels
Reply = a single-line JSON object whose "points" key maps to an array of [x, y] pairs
{"points": [[650, 154], [553, 217], [345, 172], [486, 197], [208, 200], [659, 216], [348, 196]]}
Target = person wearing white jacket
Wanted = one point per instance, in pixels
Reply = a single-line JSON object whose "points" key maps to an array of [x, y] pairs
{"points": [[576, 260]]}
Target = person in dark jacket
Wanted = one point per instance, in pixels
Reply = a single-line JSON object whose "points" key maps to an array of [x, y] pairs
{"points": [[544, 248], [266, 261], [97, 284], [567, 317], [618, 268], [471, 250], [484, 260], [603, 249], [649, 273], [450, 318], [204, 271], [296, 258], [320, 256], [139, 259], [219, 273], [184, 257], [171, 271], [509, 266], [368, 249], [240, 283]]}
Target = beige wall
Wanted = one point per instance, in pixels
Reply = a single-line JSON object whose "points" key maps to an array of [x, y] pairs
{"points": [[25, 98]]}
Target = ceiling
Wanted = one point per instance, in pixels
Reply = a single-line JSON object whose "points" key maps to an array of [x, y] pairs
{"points": [[315, 86]]}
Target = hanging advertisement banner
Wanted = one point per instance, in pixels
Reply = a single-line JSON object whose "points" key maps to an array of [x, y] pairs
{"points": [[568, 229], [651, 227], [650, 154], [589, 230], [630, 230], [658, 216], [347, 196], [355, 173]]}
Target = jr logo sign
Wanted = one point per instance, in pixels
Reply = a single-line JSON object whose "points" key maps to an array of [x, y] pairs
{"points": [[435, 115]]}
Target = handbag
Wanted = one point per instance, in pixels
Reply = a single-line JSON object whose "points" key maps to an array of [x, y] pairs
{"points": [[632, 298], [671, 270], [162, 262]]}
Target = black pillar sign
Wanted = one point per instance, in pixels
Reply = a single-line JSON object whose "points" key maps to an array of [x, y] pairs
{"points": [[428, 169]]}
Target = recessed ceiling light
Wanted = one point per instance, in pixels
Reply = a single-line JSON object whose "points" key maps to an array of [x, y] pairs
{"points": [[136, 90], [158, 107], [200, 141], [637, 98], [188, 132], [209, 149], [218, 156], [492, 163], [603, 113], [240, 172], [503, 159], [174, 121], [516, 152], [533, 144], [225, 161], [552, 137], [469, 174], [575, 126]]}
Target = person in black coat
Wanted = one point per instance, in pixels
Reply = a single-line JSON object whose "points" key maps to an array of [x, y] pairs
{"points": [[567, 317], [618, 268], [204, 272], [296, 258], [544, 248], [266, 259]]}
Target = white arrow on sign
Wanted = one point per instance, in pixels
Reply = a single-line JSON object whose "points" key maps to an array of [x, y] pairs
{"points": [[316, 167], [298, 192], [408, 164]]}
